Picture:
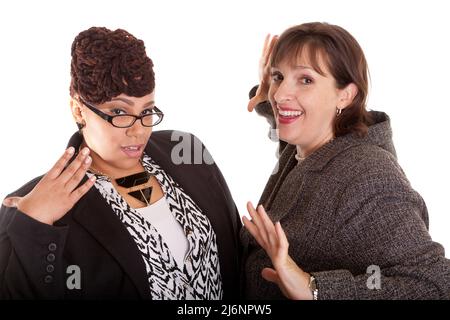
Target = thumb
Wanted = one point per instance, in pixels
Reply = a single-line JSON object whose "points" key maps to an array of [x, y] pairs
{"points": [[11, 202], [252, 104], [271, 275]]}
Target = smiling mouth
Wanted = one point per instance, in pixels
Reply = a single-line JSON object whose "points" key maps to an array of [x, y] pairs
{"points": [[133, 151], [290, 113]]}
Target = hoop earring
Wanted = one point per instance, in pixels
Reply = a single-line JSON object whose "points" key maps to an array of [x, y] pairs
{"points": [[338, 111]]}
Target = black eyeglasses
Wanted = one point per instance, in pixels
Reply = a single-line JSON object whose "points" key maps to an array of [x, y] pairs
{"points": [[127, 120]]}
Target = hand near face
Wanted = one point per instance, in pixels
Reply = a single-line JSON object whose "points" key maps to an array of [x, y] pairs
{"points": [[291, 280], [264, 73], [57, 192]]}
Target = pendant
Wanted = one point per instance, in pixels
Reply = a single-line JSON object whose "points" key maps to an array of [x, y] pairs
{"points": [[132, 181]]}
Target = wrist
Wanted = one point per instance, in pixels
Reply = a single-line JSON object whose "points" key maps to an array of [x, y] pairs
{"points": [[42, 218]]}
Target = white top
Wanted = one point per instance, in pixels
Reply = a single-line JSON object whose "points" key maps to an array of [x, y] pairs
{"points": [[159, 215]]}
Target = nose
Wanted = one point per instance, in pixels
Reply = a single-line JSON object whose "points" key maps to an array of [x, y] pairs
{"points": [[284, 92], [136, 129]]}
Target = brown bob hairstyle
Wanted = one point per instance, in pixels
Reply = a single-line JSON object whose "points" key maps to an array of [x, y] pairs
{"points": [[344, 59]]}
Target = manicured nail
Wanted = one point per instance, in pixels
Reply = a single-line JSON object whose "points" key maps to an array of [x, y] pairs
{"points": [[88, 160], [85, 151], [71, 150]]}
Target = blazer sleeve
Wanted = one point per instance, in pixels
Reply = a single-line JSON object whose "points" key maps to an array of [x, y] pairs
{"points": [[383, 229], [264, 109], [30, 256]]}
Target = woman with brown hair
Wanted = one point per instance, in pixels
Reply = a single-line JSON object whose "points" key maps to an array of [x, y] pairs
{"points": [[152, 227], [353, 227]]}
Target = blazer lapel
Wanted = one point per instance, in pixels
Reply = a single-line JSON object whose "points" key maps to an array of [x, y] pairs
{"points": [[209, 196]]}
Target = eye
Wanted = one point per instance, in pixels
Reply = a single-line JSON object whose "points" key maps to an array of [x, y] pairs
{"points": [[147, 111], [117, 111], [276, 76], [306, 80]]}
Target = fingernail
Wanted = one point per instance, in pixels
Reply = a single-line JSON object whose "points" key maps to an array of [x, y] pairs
{"points": [[92, 178], [87, 160], [71, 150], [85, 151]]}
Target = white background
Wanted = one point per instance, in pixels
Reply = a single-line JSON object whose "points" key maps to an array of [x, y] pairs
{"points": [[206, 55]]}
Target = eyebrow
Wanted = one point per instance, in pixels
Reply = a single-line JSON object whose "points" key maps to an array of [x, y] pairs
{"points": [[297, 67], [303, 67], [131, 103]]}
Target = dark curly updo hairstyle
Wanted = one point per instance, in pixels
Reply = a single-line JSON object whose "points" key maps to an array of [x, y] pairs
{"points": [[108, 63]]}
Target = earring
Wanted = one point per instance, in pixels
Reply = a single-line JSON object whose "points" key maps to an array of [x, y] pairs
{"points": [[80, 125], [338, 111]]}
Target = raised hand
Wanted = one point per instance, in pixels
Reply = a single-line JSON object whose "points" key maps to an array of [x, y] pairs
{"points": [[264, 73], [292, 281], [57, 192]]}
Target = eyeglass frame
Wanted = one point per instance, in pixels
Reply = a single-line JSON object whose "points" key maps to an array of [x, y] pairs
{"points": [[109, 118]]}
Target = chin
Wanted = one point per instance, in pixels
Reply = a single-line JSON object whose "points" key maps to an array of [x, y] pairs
{"points": [[289, 136]]}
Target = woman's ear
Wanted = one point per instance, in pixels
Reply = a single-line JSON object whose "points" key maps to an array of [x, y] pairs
{"points": [[76, 109], [346, 95], [77, 113]]}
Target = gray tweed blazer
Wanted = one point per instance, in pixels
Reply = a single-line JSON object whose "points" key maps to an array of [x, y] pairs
{"points": [[348, 211]]}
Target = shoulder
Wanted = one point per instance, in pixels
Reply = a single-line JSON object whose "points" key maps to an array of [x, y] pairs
{"points": [[26, 188], [373, 174], [7, 214], [364, 160]]}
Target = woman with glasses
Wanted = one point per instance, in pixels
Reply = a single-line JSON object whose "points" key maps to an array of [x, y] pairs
{"points": [[119, 215]]}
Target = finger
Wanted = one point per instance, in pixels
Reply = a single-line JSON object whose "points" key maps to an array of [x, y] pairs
{"points": [[282, 239], [268, 54], [58, 167], [268, 226], [11, 202], [253, 230], [253, 103], [271, 275], [81, 191], [79, 174], [72, 168], [258, 223], [266, 44]]}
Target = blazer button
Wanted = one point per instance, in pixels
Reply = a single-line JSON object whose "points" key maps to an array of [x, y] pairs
{"points": [[50, 268], [51, 257], [48, 279], [52, 246]]}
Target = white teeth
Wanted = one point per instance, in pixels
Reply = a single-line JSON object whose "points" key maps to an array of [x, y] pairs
{"points": [[132, 148], [290, 113]]}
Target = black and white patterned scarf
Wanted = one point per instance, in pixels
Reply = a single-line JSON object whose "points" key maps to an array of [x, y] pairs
{"points": [[199, 277]]}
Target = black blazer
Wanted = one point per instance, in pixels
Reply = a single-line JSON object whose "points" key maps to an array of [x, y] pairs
{"points": [[34, 257]]}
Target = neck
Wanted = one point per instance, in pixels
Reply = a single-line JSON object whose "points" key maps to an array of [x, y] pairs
{"points": [[305, 151]]}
